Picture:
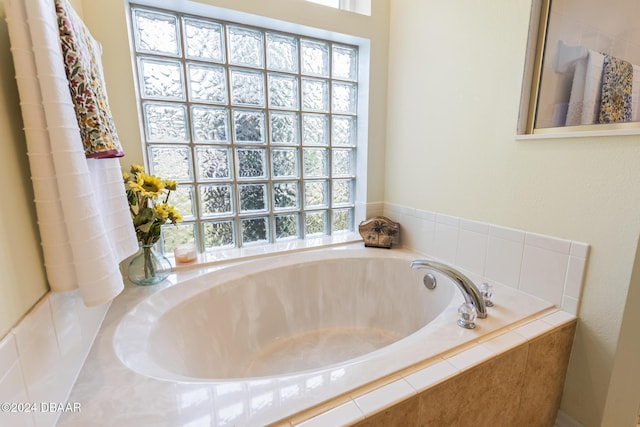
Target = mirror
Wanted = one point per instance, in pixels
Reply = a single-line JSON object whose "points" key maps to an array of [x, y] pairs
{"points": [[583, 65]]}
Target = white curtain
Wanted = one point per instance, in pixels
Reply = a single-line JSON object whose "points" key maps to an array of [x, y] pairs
{"points": [[81, 206]]}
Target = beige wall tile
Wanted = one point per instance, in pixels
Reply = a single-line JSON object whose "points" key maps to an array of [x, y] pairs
{"points": [[486, 395], [544, 377]]}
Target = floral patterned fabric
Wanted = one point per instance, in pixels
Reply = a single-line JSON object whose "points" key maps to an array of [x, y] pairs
{"points": [[617, 82], [81, 53]]}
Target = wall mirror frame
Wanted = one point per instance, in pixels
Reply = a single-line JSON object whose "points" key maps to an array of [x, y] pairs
{"points": [[541, 46]]}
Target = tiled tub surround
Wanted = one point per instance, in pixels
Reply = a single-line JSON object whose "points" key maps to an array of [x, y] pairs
{"points": [[112, 394], [512, 378], [36, 367], [544, 266], [521, 386], [41, 357]]}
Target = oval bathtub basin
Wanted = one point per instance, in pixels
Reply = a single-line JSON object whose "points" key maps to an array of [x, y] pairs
{"points": [[280, 316]]}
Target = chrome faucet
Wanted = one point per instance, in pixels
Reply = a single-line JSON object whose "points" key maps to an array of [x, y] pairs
{"points": [[469, 290]]}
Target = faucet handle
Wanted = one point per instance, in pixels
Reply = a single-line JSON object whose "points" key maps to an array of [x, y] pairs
{"points": [[468, 314], [486, 290]]}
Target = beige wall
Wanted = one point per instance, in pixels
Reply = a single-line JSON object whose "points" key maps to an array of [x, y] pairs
{"points": [[22, 280], [454, 87]]}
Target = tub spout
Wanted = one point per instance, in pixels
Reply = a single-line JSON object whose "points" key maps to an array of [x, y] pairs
{"points": [[469, 290]]}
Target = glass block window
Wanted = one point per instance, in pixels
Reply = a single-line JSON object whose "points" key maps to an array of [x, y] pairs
{"points": [[257, 126]]}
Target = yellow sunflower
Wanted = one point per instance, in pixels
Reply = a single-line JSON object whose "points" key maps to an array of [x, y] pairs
{"points": [[167, 212], [135, 168], [161, 212], [148, 185]]}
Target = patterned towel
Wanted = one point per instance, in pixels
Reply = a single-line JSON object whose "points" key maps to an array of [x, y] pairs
{"points": [[83, 67], [617, 82]]}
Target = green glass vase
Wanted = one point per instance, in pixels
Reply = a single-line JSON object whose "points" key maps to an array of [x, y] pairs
{"points": [[148, 267]]}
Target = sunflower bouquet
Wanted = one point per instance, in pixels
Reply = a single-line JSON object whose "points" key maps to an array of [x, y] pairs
{"points": [[148, 198]]}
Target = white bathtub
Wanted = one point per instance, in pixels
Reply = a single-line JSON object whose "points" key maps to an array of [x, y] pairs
{"points": [[285, 333], [282, 316]]}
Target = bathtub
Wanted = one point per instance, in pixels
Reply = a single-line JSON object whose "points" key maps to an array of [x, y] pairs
{"points": [[291, 315], [257, 342]]}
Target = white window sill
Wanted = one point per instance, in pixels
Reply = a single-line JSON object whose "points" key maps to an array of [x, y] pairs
{"points": [[220, 256]]}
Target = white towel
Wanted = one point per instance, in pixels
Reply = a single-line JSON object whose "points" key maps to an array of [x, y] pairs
{"points": [[584, 101], [81, 205]]}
